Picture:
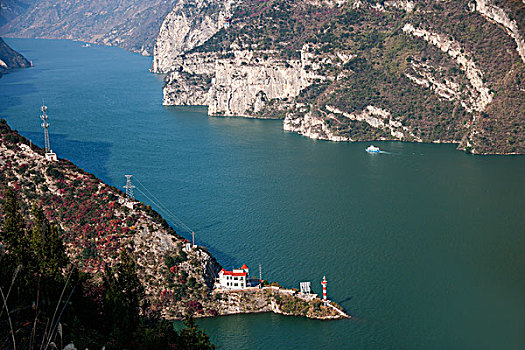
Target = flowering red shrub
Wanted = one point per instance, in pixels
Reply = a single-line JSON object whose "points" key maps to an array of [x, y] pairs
{"points": [[194, 307]]}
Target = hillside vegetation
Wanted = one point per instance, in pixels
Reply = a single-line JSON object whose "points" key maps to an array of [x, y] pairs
{"points": [[130, 24], [134, 269], [69, 268], [430, 71]]}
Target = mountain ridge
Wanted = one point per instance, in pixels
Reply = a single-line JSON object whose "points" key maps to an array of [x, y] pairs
{"points": [[130, 24], [422, 71], [340, 70]]}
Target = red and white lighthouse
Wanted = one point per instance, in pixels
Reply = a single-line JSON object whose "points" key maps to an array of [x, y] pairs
{"points": [[324, 283]]}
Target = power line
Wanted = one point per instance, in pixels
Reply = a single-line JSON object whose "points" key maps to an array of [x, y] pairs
{"points": [[162, 207], [166, 213], [179, 221], [169, 213]]}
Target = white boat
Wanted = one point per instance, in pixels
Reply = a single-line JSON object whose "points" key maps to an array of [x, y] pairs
{"points": [[373, 149], [86, 45]]}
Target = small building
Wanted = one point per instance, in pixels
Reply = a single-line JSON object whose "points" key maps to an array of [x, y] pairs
{"points": [[304, 287], [52, 157], [227, 22], [235, 279]]}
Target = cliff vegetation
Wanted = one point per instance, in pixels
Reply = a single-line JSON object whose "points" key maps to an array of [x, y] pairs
{"points": [[88, 229], [426, 71]]}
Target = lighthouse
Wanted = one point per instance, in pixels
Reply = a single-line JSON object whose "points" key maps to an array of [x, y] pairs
{"points": [[324, 283]]}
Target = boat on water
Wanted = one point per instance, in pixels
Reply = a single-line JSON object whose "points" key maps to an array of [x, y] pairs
{"points": [[373, 149], [86, 45]]}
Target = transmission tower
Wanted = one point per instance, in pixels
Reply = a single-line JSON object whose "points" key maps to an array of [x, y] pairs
{"points": [[45, 126], [129, 188]]}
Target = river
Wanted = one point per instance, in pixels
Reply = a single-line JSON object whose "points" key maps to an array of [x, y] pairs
{"points": [[424, 245]]}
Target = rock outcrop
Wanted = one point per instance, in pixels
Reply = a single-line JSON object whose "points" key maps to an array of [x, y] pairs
{"points": [[327, 67], [480, 96], [317, 124], [189, 24], [10, 59], [497, 14]]}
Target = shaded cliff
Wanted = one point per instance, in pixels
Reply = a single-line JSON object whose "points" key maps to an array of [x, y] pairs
{"points": [[10, 59], [131, 24], [427, 71]]}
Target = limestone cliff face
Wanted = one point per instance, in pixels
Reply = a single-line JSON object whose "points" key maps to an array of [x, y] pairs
{"points": [[242, 83], [190, 23], [356, 70]]}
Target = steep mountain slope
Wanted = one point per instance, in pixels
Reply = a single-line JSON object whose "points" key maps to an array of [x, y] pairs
{"points": [[131, 24], [10, 59], [97, 223], [10, 9], [431, 71]]}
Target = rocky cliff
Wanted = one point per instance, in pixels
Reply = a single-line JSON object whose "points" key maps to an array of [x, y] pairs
{"points": [[10, 59], [189, 24], [427, 71], [131, 24]]}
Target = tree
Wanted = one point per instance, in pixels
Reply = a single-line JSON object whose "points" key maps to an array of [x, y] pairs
{"points": [[13, 233], [122, 301], [192, 337], [49, 256]]}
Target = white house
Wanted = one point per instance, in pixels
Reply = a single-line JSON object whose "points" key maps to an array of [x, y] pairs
{"points": [[236, 279]]}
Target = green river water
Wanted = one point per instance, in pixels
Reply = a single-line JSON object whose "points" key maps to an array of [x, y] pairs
{"points": [[424, 245]]}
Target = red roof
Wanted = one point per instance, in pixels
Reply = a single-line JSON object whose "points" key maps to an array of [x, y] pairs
{"points": [[231, 273], [244, 266]]}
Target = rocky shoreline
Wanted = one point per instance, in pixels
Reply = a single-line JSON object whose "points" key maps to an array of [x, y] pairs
{"points": [[432, 69], [97, 223], [10, 59], [430, 82]]}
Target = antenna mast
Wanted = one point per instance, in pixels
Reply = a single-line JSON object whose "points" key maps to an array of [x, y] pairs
{"points": [[45, 126]]}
